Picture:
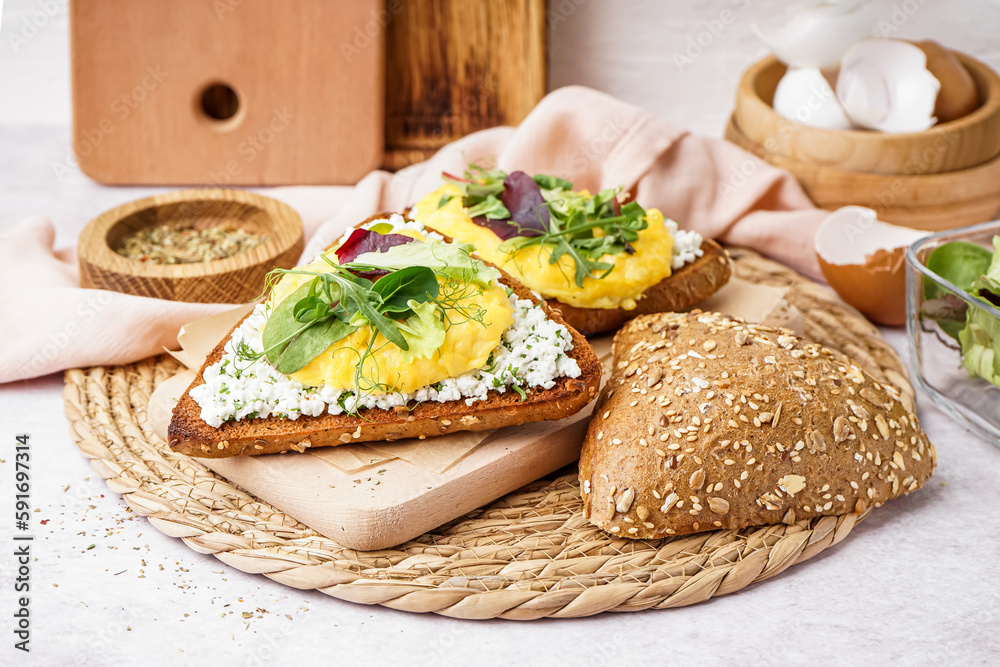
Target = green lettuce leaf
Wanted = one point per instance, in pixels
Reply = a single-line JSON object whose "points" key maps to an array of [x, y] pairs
{"points": [[980, 339], [424, 331], [451, 260], [991, 280], [960, 263]]}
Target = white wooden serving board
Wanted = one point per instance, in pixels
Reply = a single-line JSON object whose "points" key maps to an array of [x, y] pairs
{"points": [[383, 494], [394, 501], [395, 493]]}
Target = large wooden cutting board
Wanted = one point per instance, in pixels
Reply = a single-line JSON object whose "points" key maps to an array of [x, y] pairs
{"points": [[457, 66], [230, 92]]}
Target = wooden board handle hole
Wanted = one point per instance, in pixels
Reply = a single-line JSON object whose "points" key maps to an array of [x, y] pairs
{"points": [[219, 105]]}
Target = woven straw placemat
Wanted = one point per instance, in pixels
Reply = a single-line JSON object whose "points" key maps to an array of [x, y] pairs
{"points": [[529, 555]]}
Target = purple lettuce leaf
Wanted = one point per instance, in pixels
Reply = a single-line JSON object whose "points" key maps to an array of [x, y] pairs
{"points": [[364, 240], [529, 216]]}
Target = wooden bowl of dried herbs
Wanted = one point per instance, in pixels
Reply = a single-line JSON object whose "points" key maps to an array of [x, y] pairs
{"points": [[202, 246]]}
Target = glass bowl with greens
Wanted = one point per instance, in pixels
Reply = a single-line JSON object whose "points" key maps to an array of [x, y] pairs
{"points": [[953, 322]]}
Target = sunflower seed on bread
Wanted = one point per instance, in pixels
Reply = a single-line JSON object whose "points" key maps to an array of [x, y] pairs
{"points": [[708, 422]]}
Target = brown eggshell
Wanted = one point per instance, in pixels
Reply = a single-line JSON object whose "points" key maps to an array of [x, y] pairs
{"points": [[958, 95], [864, 260], [877, 288]]}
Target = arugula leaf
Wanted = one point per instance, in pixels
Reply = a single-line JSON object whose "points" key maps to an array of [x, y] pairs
{"points": [[358, 301], [478, 184], [585, 267], [552, 182], [311, 309], [544, 210], [445, 198]]}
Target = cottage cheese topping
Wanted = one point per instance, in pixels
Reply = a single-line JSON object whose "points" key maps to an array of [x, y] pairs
{"points": [[533, 353], [687, 245]]}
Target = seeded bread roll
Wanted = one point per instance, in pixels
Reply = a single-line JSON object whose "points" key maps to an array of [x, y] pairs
{"points": [[709, 423]]}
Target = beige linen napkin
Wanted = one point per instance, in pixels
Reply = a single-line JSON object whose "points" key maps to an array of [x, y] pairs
{"points": [[48, 323]]}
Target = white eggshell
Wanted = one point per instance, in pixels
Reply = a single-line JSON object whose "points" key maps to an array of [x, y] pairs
{"points": [[851, 234], [818, 34], [884, 84], [805, 96]]}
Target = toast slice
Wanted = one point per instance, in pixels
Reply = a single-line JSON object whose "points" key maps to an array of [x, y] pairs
{"points": [[681, 290], [189, 434], [533, 211]]}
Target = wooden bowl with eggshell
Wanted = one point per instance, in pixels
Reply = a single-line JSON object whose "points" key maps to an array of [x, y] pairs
{"points": [[237, 278], [935, 179]]}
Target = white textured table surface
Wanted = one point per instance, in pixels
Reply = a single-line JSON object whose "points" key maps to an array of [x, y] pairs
{"points": [[917, 583]]}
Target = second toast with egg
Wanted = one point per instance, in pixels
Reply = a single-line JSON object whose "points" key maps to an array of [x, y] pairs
{"points": [[600, 259]]}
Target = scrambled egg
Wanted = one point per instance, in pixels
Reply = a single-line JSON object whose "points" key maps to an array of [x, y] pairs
{"points": [[467, 345], [631, 276]]}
